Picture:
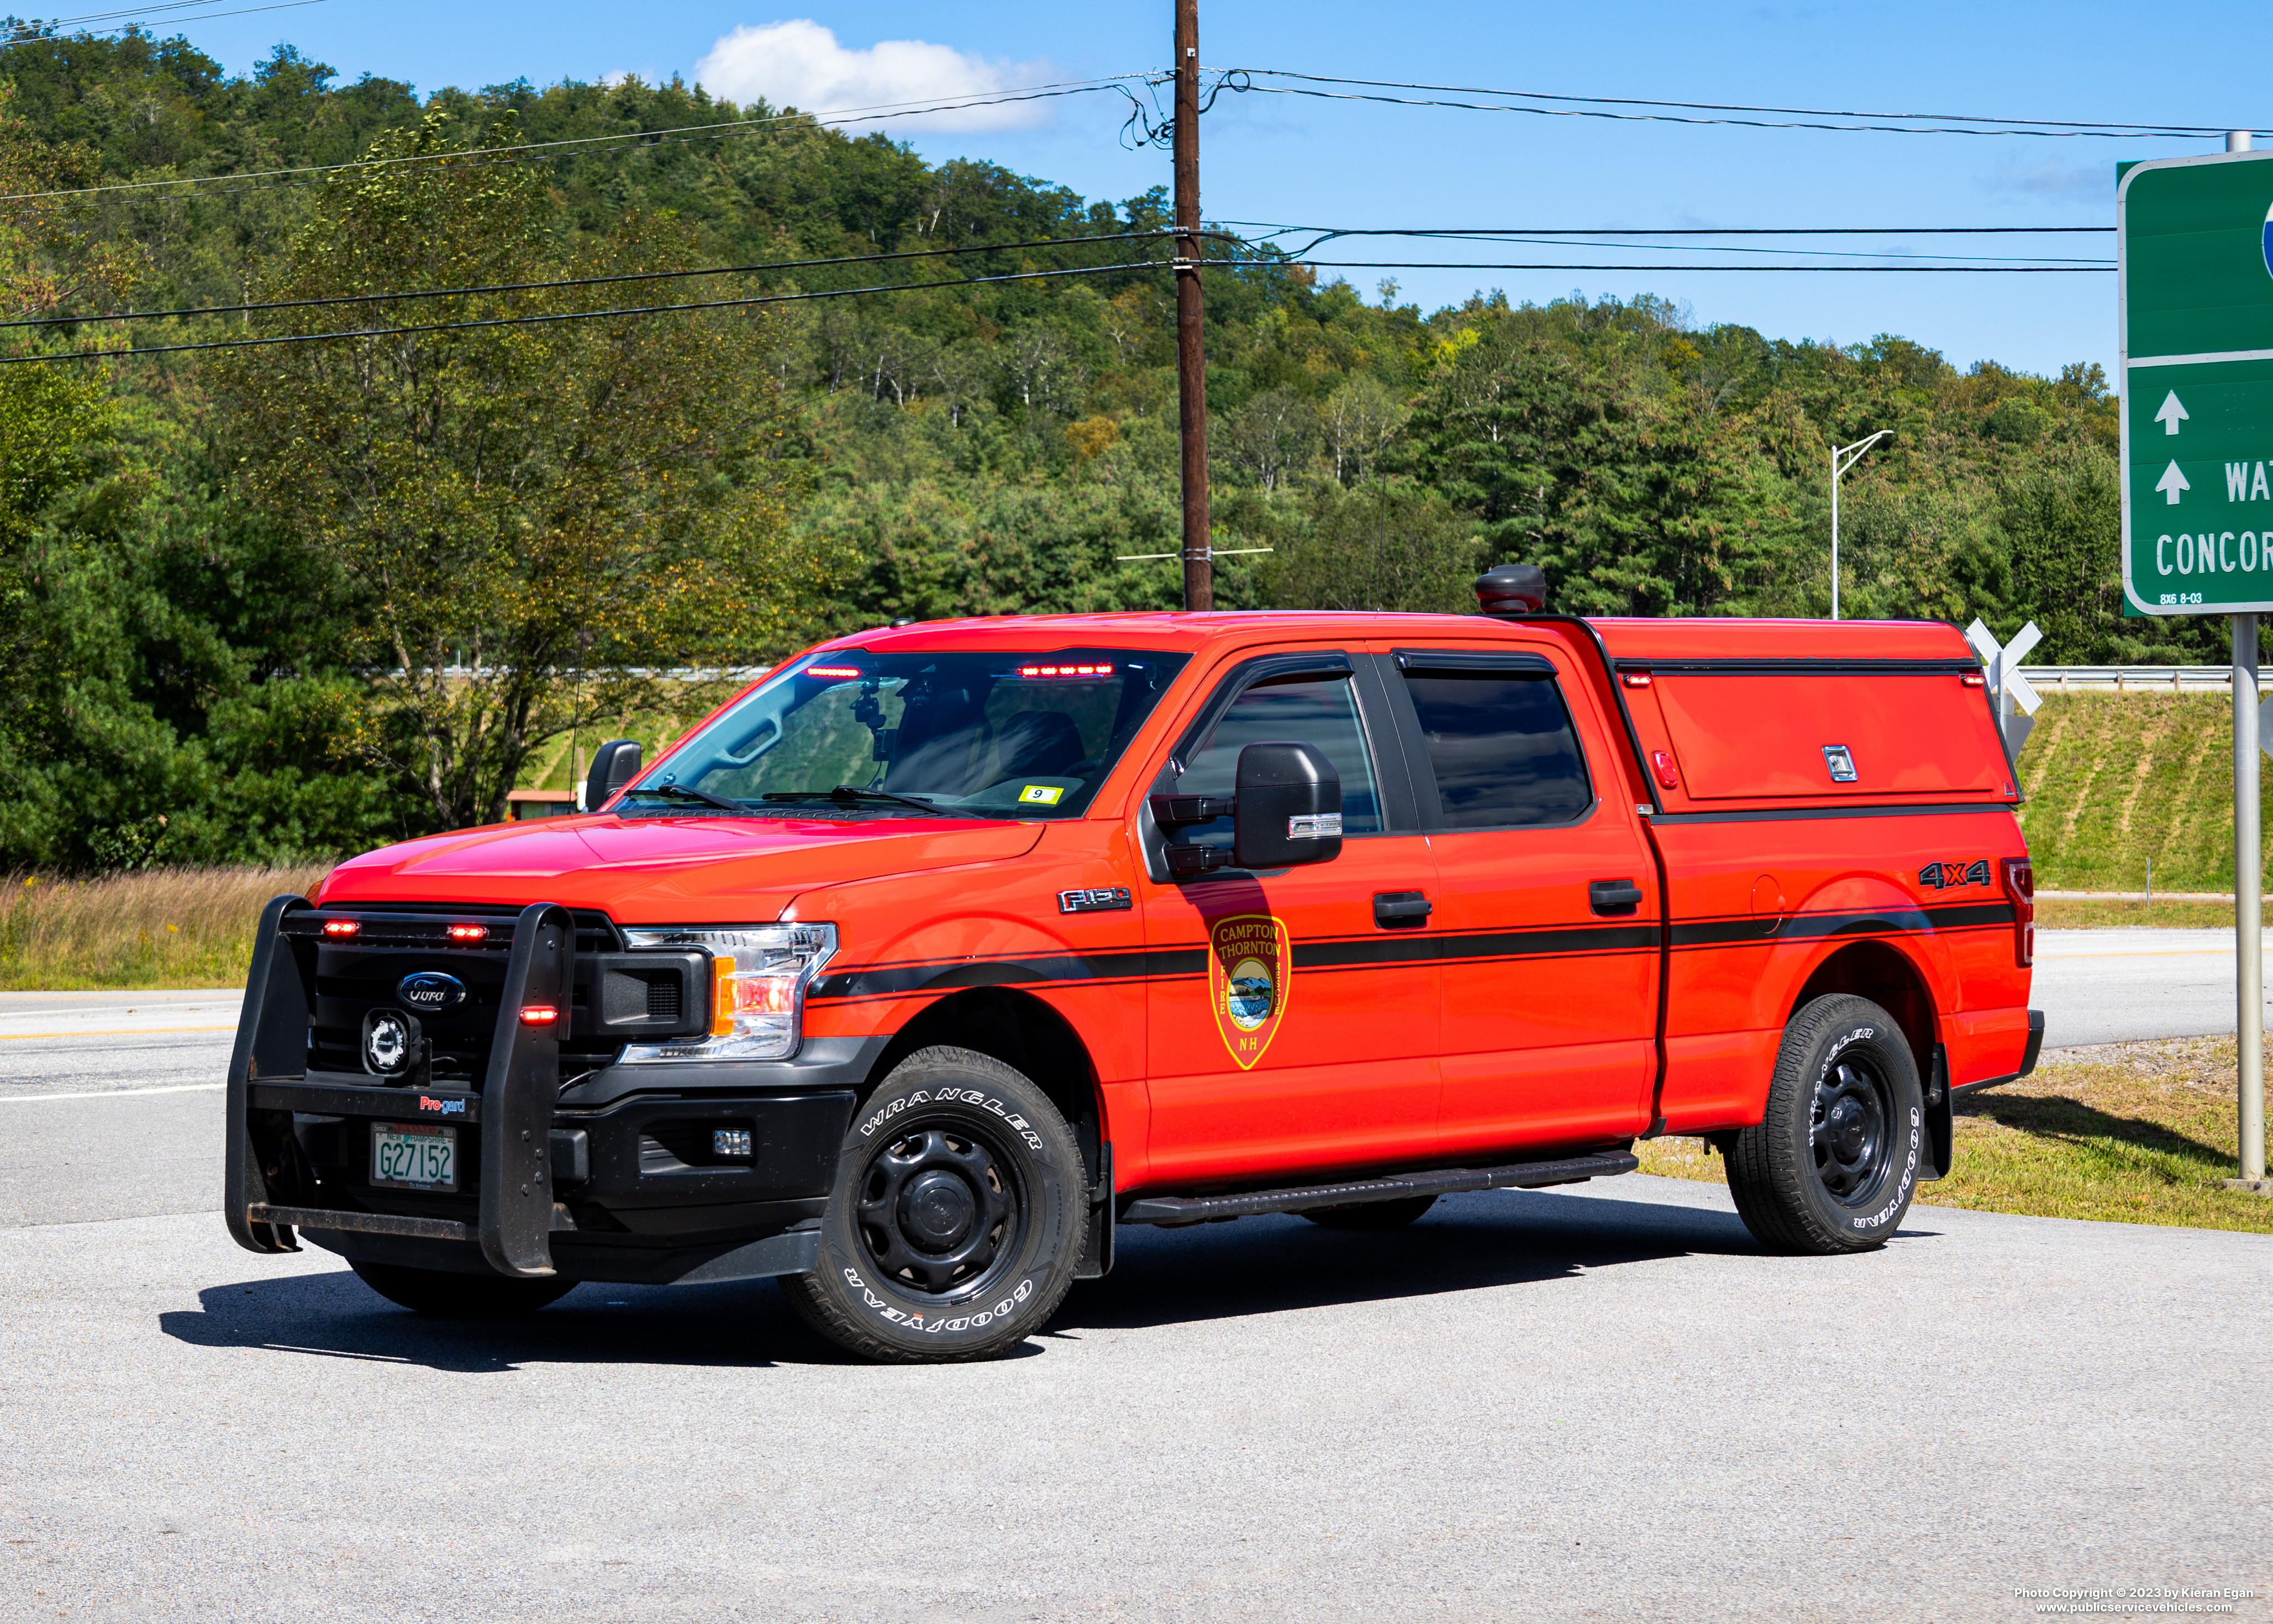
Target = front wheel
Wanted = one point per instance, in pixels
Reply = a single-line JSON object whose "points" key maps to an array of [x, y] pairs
{"points": [[957, 1218], [441, 1294], [1832, 1166]]}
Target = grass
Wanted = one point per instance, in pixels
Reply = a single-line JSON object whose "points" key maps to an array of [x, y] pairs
{"points": [[2113, 781], [169, 927], [2057, 915], [2123, 1134]]}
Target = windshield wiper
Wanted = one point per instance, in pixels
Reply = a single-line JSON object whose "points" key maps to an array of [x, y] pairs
{"points": [[683, 792], [846, 793]]}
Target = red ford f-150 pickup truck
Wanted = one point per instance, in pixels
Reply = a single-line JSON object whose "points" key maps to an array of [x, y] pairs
{"points": [[927, 962]]}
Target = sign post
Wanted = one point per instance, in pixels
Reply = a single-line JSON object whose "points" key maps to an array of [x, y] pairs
{"points": [[2195, 315]]}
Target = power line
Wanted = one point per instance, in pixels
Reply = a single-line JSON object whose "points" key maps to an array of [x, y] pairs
{"points": [[584, 281], [1302, 254], [1240, 80], [1274, 229], [1757, 270], [35, 29], [571, 315], [841, 116]]}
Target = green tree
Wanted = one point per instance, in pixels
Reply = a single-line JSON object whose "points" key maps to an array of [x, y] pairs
{"points": [[532, 513]]}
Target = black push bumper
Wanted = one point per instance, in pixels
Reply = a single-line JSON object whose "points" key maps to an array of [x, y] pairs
{"points": [[617, 1183]]}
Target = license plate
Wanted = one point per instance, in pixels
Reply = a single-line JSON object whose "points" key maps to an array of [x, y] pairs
{"points": [[416, 1156]]}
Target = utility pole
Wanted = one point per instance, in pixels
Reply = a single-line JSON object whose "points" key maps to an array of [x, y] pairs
{"points": [[1191, 352]]}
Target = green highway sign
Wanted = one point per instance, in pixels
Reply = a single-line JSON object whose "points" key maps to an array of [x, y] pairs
{"points": [[2194, 292]]}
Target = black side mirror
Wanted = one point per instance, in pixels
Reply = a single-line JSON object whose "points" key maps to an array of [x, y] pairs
{"points": [[1289, 807], [614, 764]]}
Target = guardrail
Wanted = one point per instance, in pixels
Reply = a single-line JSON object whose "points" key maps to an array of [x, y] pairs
{"points": [[2050, 679]]}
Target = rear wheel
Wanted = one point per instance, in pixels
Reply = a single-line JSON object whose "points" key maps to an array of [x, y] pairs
{"points": [[1832, 1166], [442, 1294], [1372, 1215], [957, 1219]]}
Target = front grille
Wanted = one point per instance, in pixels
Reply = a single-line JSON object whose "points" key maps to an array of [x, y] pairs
{"points": [[350, 977]]}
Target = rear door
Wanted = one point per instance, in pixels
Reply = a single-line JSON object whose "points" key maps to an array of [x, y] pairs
{"points": [[1549, 903], [1294, 1022]]}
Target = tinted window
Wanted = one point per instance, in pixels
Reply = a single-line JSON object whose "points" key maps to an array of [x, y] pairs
{"points": [[1307, 709], [1502, 749]]}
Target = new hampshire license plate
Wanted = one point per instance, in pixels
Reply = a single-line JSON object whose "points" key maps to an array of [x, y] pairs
{"points": [[419, 1155]]}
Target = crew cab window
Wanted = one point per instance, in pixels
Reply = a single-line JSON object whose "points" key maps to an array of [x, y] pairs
{"points": [[1500, 741], [859, 732], [1309, 709]]}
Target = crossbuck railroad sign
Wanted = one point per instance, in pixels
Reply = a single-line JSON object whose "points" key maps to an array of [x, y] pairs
{"points": [[2002, 662]]}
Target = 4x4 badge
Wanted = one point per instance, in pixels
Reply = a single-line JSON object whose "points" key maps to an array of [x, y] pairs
{"points": [[1942, 875], [1250, 971]]}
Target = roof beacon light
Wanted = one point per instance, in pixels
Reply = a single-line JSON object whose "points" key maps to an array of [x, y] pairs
{"points": [[337, 928], [1511, 591], [1065, 671]]}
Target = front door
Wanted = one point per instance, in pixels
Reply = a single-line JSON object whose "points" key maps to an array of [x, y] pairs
{"points": [[1295, 1027]]}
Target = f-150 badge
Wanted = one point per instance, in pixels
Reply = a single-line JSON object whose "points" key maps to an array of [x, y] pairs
{"points": [[1942, 875], [1250, 971]]}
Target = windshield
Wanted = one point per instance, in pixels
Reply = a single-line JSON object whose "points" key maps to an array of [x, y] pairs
{"points": [[856, 733]]}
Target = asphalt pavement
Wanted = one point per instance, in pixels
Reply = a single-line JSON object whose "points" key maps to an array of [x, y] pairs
{"points": [[1596, 1403], [2122, 986]]}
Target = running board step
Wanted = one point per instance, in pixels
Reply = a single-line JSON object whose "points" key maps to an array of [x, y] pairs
{"points": [[1182, 1209]]}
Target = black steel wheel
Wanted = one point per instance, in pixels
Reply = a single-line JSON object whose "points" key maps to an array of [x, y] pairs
{"points": [[1833, 1163], [444, 1294], [1372, 1215], [957, 1217]]}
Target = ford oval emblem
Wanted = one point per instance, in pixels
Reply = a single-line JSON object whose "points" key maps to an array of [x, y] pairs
{"points": [[431, 991]]}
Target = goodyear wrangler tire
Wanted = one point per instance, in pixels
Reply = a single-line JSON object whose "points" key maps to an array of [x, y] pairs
{"points": [[957, 1219], [1833, 1165]]}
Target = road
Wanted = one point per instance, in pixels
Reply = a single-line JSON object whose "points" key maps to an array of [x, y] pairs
{"points": [[2121, 986], [1603, 1402]]}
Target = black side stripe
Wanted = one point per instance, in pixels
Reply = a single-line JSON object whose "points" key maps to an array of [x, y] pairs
{"points": [[1780, 814], [1813, 665], [1154, 964], [1818, 927]]}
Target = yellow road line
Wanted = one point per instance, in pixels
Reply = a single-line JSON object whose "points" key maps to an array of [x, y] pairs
{"points": [[107, 1032]]}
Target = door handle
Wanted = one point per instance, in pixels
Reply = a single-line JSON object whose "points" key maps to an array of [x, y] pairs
{"points": [[1614, 896], [1394, 908]]}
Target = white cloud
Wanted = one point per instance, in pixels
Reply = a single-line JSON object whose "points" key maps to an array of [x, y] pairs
{"points": [[800, 65]]}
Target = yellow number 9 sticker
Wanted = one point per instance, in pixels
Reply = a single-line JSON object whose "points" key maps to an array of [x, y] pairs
{"points": [[1042, 794]]}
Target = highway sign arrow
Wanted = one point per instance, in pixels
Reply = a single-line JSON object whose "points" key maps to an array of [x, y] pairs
{"points": [[2170, 414], [2170, 484]]}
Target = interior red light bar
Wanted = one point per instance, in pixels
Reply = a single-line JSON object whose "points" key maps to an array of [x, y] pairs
{"points": [[341, 926], [833, 671], [538, 1015], [1065, 671], [468, 933]]}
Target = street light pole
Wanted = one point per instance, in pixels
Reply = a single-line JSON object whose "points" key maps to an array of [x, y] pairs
{"points": [[1842, 458]]}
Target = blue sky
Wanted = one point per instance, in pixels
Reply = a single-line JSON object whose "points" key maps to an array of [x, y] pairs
{"points": [[1284, 159]]}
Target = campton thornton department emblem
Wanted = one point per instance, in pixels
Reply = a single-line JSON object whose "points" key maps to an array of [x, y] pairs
{"points": [[1250, 971]]}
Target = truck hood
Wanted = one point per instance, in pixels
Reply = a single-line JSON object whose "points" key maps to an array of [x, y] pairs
{"points": [[666, 870]]}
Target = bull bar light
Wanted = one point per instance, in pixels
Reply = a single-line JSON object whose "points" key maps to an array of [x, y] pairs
{"points": [[758, 975]]}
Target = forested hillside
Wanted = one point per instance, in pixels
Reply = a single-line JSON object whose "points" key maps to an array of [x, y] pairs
{"points": [[213, 644]]}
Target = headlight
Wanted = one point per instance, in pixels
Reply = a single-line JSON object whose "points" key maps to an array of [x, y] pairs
{"points": [[758, 977]]}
